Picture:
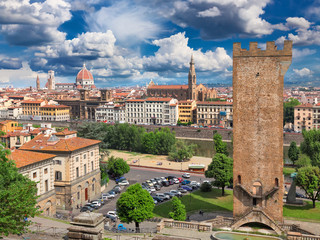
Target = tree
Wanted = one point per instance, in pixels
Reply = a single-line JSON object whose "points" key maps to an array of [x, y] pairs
{"points": [[221, 169], [94, 130], [288, 110], [205, 187], [178, 210], [311, 145], [135, 205], [308, 179], [303, 161], [117, 166], [148, 141], [293, 152], [219, 145], [18, 197], [104, 173], [164, 140], [182, 152]]}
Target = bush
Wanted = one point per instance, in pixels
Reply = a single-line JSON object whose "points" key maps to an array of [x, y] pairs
{"points": [[205, 187]]}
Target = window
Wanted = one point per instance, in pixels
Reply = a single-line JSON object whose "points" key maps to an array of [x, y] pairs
{"points": [[34, 175], [84, 156], [77, 159], [85, 169], [93, 187], [77, 172], [46, 185], [239, 179], [45, 170], [92, 166], [78, 195], [276, 182], [91, 154], [58, 175], [58, 162]]}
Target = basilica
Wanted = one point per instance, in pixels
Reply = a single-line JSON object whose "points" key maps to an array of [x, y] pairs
{"points": [[191, 91]]}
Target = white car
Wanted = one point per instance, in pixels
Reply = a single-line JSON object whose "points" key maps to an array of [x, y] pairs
{"points": [[107, 196], [161, 195], [195, 183], [112, 213], [175, 192], [152, 189], [123, 183], [176, 181], [96, 203], [186, 175]]}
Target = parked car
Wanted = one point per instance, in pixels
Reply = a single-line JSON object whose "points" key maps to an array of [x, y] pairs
{"points": [[112, 193], [107, 196], [195, 183], [152, 189], [86, 208], [165, 183], [96, 202], [171, 182], [155, 201], [171, 195], [185, 182], [158, 199], [186, 175], [150, 184], [113, 213], [123, 183], [165, 197], [117, 187], [157, 187], [112, 218], [92, 205], [176, 181], [120, 179], [176, 193], [180, 179], [182, 190], [299, 195], [187, 188], [171, 177]]}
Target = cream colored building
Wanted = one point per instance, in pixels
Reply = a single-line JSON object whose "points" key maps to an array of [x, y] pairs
{"points": [[76, 166], [215, 113], [187, 110], [55, 113], [39, 168], [316, 116], [303, 117]]}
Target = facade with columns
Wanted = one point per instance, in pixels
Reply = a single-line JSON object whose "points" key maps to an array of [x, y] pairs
{"points": [[191, 91]]}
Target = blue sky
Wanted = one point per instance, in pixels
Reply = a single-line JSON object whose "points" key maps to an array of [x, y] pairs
{"points": [[130, 42]]}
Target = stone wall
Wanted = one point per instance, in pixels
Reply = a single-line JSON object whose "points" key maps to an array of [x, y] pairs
{"points": [[47, 203]]}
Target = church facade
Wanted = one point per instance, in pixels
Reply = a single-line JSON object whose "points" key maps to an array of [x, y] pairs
{"points": [[191, 91]]}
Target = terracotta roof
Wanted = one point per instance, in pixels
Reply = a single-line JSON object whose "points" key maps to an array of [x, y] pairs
{"points": [[15, 134], [41, 143], [124, 94], [214, 103], [84, 74], [25, 158], [32, 101], [135, 100], [186, 101], [306, 105], [168, 87], [54, 106], [65, 132], [151, 99], [6, 121]]}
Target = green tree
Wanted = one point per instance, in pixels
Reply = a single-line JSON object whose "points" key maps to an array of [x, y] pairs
{"points": [[135, 205], [94, 130], [288, 110], [221, 169], [104, 173], [18, 197], [164, 140], [311, 145], [205, 187], [303, 161], [117, 166], [219, 145], [308, 179], [182, 152], [178, 210], [148, 141], [293, 152]]}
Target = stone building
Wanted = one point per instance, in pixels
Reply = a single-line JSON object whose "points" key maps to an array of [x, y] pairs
{"points": [[55, 113], [303, 117], [51, 83], [258, 133], [38, 83], [38, 167], [214, 113], [76, 166], [187, 111], [111, 113], [183, 92]]}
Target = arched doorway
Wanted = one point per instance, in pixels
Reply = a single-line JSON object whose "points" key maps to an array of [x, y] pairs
{"points": [[47, 208], [86, 191]]}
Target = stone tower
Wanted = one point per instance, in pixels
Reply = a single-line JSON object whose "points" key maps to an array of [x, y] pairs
{"points": [[51, 80], [192, 81], [258, 133], [38, 83]]}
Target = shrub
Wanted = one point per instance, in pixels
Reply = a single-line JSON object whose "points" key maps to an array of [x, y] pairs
{"points": [[205, 187]]}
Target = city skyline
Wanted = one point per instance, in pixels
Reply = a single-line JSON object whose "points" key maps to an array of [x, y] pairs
{"points": [[128, 43]]}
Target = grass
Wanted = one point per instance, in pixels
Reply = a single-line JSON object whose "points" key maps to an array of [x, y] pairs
{"points": [[214, 202], [305, 212], [206, 201], [54, 219], [288, 170]]}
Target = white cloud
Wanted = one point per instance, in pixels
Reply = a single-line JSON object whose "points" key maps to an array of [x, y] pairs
{"points": [[211, 12], [296, 53], [297, 22], [25, 23], [304, 72], [174, 54], [129, 24]]}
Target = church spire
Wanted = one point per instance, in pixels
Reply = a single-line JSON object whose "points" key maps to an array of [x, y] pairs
{"points": [[38, 83], [192, 80]]}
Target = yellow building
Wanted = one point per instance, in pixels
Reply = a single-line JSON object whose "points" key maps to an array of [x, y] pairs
{"points": [[186, 110], [8, 126], [31, 109], [55, 113]]}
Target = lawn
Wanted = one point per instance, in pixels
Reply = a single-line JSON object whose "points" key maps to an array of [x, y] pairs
{"points": [[206, 201], [213, 202], [288, 170]]}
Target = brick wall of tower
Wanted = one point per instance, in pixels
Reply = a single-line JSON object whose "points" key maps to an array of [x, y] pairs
{"points": [[257, 126]]}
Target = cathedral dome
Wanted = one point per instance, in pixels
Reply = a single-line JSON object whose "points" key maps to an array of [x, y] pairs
{"points": [[84, 75]]}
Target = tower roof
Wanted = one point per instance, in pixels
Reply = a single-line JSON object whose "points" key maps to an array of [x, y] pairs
{"points": [[84, 74]]}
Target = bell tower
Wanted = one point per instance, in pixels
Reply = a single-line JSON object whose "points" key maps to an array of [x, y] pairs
{"points": [[192, 81]]}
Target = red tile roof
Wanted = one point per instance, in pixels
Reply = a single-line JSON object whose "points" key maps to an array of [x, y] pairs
{"points": [[15, 134], [65, 132], [168, 87], [25, 158], [32, 101], [214, 103], [135, 100], [306, 105], [54, 106], [41, 143], [151, 99]]}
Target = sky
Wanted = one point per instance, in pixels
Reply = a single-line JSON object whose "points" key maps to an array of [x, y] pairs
{"points": [[130, 42]]}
